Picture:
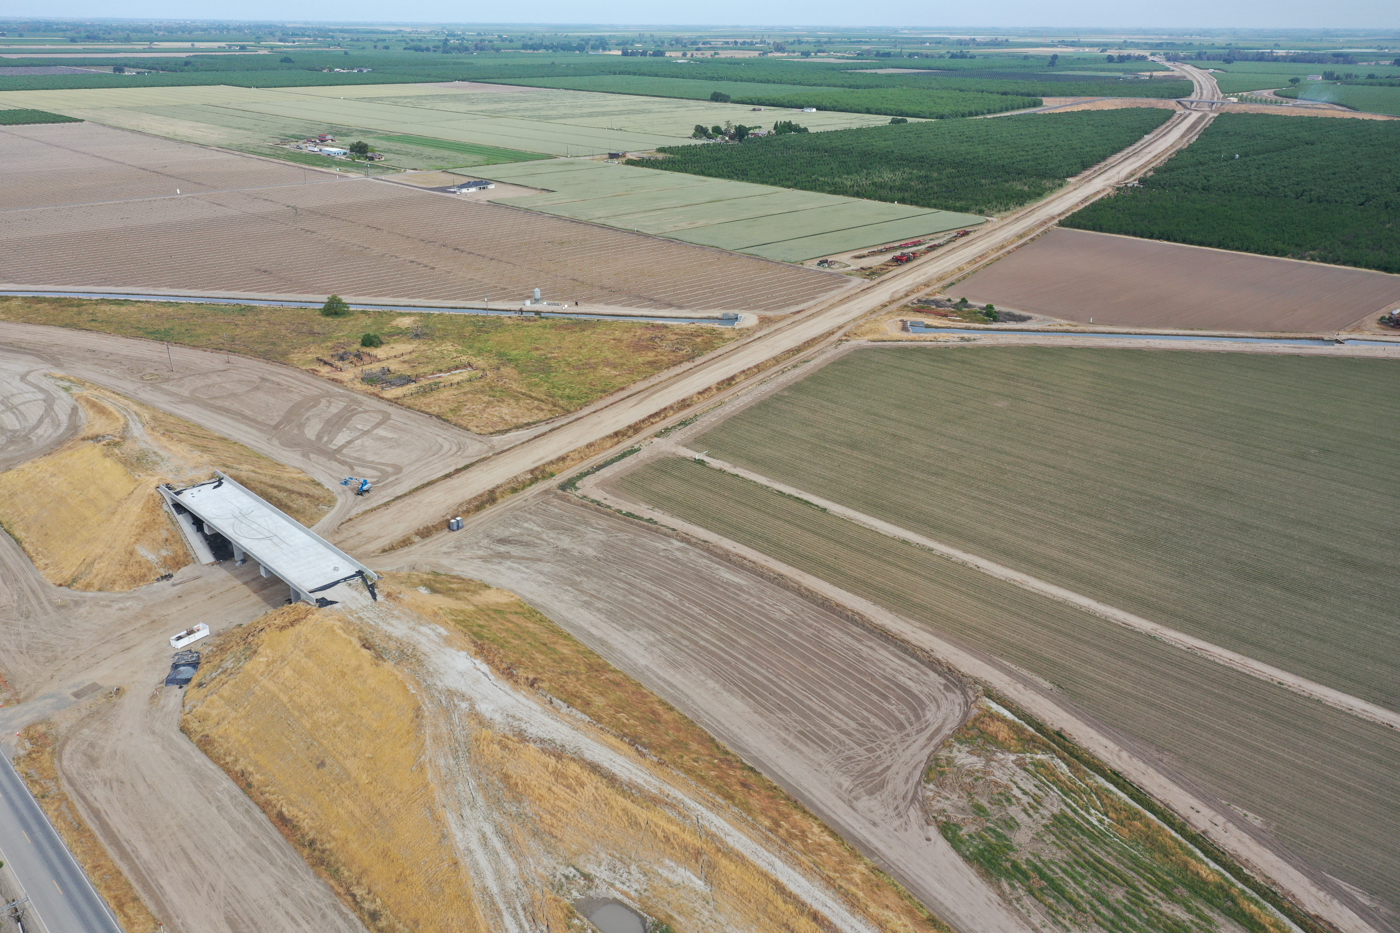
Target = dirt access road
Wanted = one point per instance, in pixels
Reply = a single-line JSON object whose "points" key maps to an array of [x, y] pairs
{"points": [[378, 528], [292, 417], [199, 851], [841, 718]]}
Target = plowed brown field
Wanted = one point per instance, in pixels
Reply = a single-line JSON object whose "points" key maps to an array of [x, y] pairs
{"points": [[76, 163], [254, 228], [1078, 275], [1318, 780]]}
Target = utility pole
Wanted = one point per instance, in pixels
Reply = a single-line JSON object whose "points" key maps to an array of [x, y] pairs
{"points": [[170, 359]]}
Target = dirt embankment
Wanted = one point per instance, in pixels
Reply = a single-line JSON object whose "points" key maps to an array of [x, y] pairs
{"points": [[88, 513], [479, 800]]}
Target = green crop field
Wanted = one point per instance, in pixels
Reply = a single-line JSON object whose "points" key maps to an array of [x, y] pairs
{"points": [[1324, 190], [940, 77], [765, 221], [983, 166], [20, 117], [929, 103], [481, 155], [1323, 782], [1235, 497], [1370, 98], [553, 122]]}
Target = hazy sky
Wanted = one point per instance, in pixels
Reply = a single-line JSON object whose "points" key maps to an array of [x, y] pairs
{"points": [[1284, 14]]}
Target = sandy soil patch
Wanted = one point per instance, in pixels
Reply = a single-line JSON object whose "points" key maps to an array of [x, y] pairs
{"points": [[290, 417], [1077, 275], [838, 717]]}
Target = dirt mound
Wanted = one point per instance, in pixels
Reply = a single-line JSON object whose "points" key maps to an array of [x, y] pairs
{"points": [[88, 514]]}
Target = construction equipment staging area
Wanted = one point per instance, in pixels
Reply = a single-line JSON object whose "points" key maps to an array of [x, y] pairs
{"points": [[220, 515]]}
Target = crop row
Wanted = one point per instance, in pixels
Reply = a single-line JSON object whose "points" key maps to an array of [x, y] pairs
{"points": [[1325, 781], [1324, 190], [982, 166]]}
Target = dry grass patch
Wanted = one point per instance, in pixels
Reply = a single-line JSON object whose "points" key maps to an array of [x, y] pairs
{"points": [[529, 650], [36, 765], [328, 740], [88, 514], [490, 374]]}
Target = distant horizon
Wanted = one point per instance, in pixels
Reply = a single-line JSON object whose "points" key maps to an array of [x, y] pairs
{"points": [[1188, 17]]}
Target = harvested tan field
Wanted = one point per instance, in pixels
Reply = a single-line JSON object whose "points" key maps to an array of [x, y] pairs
{"points": [[80, 163], [477, 803], [363, 239], [88, 513], [1116, 280], [833, 713], [1316, 782], [37, 765]]}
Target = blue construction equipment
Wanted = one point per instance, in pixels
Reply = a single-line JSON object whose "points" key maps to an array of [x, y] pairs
{"points": [[365, 485]]}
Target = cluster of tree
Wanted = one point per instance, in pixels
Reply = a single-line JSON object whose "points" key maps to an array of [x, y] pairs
{"points": [[447, 47], [1125, 57], [982, 166], [730, 131], [1281, 58], [1298, 189], [784, 127]]}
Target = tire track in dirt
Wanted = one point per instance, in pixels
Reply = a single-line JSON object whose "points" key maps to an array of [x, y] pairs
{"points": [[834, 713], [292, 417], [35, 414]]}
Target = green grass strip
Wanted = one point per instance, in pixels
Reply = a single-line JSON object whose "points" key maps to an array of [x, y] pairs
{"points": [[491, 154], [27, 117]]}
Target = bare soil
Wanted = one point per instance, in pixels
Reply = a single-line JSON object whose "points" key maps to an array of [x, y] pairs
{"points": [[252, 227], [293, 418], [836, 715], [1077, 275]]}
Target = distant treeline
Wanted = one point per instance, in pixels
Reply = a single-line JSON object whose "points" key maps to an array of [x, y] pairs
{"points": [[1026, 76], [980, 166]]}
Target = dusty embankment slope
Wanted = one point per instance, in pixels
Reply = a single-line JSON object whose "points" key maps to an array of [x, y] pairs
{"points": [[481, 802], [88, 513]]}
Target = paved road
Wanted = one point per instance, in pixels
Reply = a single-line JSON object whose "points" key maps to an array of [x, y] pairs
{"points": [[58, 890], [433, 503]]}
